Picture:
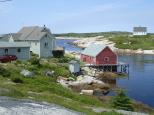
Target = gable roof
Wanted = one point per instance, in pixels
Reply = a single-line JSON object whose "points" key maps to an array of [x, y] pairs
{"points": [[93, 50], [140, 29], [13, 44], [34, 33], [6, 37]]}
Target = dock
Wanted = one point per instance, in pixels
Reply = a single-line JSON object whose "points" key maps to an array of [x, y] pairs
{"points": [[120, 67]]}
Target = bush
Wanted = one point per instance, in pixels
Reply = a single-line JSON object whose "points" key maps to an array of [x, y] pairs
{"points": [[17, 80], [4, 72], [35, 61], [121, 101]]}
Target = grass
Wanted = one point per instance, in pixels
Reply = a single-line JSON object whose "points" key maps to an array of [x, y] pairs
{"points": [[43, 88], [134, 42]]}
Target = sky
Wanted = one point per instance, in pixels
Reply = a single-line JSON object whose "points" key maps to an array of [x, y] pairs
{"points": [[64, 16]]}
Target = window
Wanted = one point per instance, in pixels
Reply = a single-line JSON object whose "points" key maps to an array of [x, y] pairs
{"points": [[46, 35], [18, 50], [46, 44], [35, 43], [6, 51], [106, 59]]}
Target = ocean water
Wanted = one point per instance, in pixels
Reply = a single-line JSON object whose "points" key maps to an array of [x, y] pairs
{"points": [[140, 83]]}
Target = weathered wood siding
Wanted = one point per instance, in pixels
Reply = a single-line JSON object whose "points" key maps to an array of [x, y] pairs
{"points": [[24, 53], [107, 56]]}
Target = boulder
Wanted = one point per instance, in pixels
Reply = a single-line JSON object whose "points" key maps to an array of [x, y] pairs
{"points": [[27, 73], [87, 92], [49, 73], [63, 81]]}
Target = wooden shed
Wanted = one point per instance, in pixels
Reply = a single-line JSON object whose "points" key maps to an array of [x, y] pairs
{"points": [[97, 54], [74, 66]]}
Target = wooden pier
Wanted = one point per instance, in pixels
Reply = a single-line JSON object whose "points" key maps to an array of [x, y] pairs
{"points": [[118, 68]]}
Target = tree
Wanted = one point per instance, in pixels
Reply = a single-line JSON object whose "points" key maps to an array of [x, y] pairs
{"points": [[121, 101]]}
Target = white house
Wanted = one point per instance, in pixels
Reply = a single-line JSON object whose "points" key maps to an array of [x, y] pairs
{"points": [[140, 31], [20, 49], [41, 40]]}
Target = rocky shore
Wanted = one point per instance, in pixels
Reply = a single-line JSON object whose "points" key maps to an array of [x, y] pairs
{"points": [[85, 42]]}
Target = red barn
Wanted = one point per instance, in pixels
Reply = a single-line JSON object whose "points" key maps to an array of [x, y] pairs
{"points": [[99, 55]]}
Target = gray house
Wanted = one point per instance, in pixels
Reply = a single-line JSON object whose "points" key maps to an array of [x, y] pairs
{"points": [[41, 40], [20, 49], [140, 31]]}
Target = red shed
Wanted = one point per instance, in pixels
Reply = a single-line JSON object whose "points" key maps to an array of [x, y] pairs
{"points": [[99, 55]]}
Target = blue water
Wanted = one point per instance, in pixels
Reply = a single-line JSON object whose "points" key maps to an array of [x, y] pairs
{"points": [[140, 84], [68, 47]]}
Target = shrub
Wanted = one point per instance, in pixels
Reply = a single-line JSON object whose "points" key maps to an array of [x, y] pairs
{"points": [[4, 72], [18, 62], [35, 61], [17, 80], [121, 101]]}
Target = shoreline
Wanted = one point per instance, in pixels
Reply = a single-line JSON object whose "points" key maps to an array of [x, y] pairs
{"points": [[85, 42]]}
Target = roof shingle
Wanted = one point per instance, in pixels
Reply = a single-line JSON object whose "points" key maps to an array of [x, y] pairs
{"points": [[93, 50]]}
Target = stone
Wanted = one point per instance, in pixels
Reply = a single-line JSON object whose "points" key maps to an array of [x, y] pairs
{"points": [[49, 73], [87, 92], [27, 73]]}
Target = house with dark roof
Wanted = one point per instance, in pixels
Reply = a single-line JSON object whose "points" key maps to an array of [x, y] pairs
{"points": [[139, 31], [41, 40], [97, 54]]}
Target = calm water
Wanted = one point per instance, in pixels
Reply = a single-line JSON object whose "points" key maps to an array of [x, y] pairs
{"points": [[68, 47], [140, 84]]}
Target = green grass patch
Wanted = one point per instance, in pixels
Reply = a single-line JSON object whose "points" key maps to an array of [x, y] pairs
{"points": [[135, 42]]}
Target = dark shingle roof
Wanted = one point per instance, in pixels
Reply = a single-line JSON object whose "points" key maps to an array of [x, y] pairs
{"points": [[32, 33], [140, 29], [28, 33]]}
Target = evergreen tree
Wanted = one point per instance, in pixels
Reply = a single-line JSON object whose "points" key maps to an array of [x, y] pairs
{"points": [[121, 101]]}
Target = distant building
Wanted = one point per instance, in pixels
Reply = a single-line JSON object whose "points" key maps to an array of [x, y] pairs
{"points": [[41, 40], [20, 49], [99, 55], [139, 31], [74, 66]]}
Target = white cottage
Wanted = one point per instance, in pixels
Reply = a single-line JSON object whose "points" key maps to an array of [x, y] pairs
{"points": [[41, 40], [140, 31], [20, 49]]}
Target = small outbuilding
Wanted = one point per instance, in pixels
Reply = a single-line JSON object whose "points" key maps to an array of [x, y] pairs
{"points": [[97, 54], [58, 52], [74, 66], [20, 49]]}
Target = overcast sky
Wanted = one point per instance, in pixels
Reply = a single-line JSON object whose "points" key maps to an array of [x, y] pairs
{"points": [[63, 16]]}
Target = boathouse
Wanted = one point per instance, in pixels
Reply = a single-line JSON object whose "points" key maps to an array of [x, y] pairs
{"points": [[97, 54], [101, 57]]}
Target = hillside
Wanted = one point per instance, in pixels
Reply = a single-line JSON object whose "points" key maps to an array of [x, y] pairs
{"points": [[93, 34], [41, 87]]}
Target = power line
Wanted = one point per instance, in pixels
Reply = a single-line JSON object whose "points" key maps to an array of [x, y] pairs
{"points": [[5, 0]]}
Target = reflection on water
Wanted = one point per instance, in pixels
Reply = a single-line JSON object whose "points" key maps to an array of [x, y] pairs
{"points": [[140, 85]]}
